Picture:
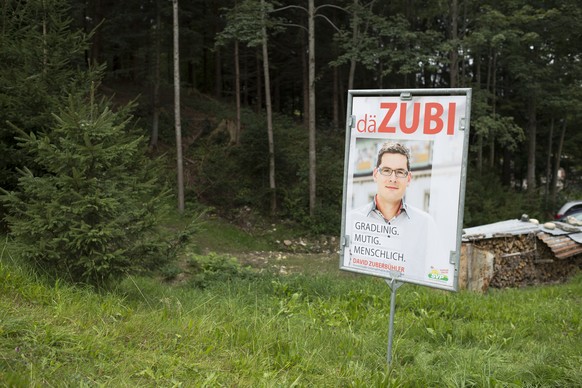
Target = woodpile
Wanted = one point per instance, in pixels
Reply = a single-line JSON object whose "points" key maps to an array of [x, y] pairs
{"points": [[519, 260]]}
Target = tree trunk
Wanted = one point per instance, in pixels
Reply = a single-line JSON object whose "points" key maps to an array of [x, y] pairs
{"points": [[494, 111], [44, 39], [269, 118], [479, 136], [549, 162], [259, 101], [180, 168], [96, 41], [237, 93], [335, 98], [464, 28], [156, 91], [355, 22], [480, 153], [531, 149], [312, 155], [506, 167], [342, 99], [305, 83], [557, 156], [217, 73], [245, 78], [454, 51]]}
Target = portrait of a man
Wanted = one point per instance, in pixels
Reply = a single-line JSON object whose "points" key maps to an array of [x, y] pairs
{"points": [[389, 233]]}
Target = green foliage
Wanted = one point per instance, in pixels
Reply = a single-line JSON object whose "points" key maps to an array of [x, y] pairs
{"points": [[488, 201], [93, 216], [501, 129], [242, 24], [215, 267], [170, 271]]}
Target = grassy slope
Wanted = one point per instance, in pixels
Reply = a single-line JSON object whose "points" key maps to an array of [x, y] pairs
{"points": [[320, 328]]}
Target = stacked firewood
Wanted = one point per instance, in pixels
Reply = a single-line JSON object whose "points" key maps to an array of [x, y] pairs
{"points": [[524, 259]]}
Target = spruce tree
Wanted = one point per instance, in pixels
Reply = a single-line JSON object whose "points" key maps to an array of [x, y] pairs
{"points": [[93, 216]]}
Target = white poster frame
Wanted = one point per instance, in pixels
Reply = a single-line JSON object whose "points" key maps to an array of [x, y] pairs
{"points": [[434, 125]]}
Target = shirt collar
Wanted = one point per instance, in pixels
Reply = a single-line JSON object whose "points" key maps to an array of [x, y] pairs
{"points": [[403, 208]]}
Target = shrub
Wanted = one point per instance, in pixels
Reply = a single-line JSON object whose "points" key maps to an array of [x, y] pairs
{"points": [[214, 268], [93, 215]]}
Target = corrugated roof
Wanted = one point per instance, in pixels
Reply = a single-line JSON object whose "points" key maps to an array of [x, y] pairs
{"points": [[576, 237], [562, 246], [564, 240]]}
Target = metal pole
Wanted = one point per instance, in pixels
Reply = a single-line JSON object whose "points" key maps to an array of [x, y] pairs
{"points": [[393, 284]]}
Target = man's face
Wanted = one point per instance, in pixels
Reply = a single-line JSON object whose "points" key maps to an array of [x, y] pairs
{"points": [[391, 188]]}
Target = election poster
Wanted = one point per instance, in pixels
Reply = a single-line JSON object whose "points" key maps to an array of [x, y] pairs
{"points": [[404, 183]]}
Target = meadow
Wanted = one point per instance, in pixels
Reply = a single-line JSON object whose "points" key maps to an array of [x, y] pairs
{"points": [[310, 325]]}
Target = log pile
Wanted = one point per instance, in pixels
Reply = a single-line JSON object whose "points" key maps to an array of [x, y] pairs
{"points": [[524, 259]]}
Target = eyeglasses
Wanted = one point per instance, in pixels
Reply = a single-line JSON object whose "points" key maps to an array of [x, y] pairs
{"points": [[387, 171]]}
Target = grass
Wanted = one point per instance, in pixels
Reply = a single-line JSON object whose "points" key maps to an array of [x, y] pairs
{"points": [[315, 327], [214, 234], [219, 235]]}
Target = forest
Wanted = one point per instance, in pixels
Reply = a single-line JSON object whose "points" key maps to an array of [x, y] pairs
{"points": [[167, 167], [263, 94]]}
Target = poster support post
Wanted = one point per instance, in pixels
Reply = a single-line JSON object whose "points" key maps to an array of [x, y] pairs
{"points": [[394, 285]]}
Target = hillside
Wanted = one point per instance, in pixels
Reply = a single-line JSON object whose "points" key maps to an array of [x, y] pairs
{"points": [[232, 178]]}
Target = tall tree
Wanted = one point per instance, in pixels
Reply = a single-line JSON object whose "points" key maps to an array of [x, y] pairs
{"points": [[312, 12], [177, 115], [235, 30], [526, 57], [269, 109], [243, 25]]}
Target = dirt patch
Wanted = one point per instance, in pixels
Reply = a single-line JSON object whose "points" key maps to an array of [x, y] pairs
{"points": [[285, 263]]}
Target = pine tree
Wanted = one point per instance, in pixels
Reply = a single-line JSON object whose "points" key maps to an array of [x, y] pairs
{"points": [[93, 216]]}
